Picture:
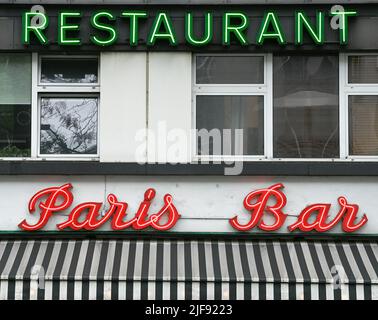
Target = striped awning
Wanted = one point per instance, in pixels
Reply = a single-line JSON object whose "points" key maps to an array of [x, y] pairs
{"points": [[186, 269]]}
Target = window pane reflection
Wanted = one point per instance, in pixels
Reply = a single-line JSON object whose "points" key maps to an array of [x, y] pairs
{"points": [[363, 125], [363, 69], [15, 131], [306, 102], [15, 104], [230, 70], [62, 70], [219, 113], [68, 126], [15, 78]]}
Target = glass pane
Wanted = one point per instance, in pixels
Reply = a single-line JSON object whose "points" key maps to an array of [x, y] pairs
{"points": [[363, 125], [68, 126], [69, 70], [363, 69], [230, 69], [306, 106], [218, 113], [15, 78], [15, 130]]}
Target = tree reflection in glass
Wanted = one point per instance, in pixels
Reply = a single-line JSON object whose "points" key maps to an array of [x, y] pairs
{"points": [[69, 125]]}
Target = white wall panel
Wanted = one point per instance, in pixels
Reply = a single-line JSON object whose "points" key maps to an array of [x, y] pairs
{"points": [[169, 107], [122, 104], [205, 203]]}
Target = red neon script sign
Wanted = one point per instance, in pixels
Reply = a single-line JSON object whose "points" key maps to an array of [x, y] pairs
{"points": [[55, 199], [312, 218], [259, 203]]}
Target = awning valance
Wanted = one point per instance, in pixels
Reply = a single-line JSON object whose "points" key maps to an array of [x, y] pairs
{"points": [[186, 269]]}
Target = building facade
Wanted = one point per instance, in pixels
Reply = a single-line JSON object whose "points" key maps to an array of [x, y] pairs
{"points": [[201, 150]]}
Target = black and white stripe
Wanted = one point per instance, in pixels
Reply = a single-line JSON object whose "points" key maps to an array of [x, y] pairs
{"points": [[185, 269]]}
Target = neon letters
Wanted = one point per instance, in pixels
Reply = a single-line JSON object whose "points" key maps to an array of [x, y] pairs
{"points": [[104, 28], [56, 199], [259, 204], [312, 218]]}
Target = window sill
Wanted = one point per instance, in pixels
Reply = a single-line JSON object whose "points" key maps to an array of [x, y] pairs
{"points": [[50, 158]]}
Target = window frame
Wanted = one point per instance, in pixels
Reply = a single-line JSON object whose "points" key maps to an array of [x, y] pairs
{"points": [[264, 89], [40, 89], [346, 89], [351, 89]]}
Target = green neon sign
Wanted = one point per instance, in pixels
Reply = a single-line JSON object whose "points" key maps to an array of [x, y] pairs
{"points": [[97, 23], [344, 27], [134, 17], [162, 29], [197, 30], [271, 29], [302, 22], [68, 21], [37, 30], [237, 29], [190, 34]]}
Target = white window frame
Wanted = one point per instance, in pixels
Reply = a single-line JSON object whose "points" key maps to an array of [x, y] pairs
{"points": [[75, 85], [265, 90], [40, 90], [352, 89]]}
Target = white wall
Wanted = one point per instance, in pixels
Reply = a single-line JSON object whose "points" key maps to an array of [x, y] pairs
{"points": [[169, 106], [122, 104], [142, 91]]}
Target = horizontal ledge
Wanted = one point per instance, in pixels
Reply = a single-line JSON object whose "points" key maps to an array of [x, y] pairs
{"points": [[185, 2], [175, 236], [261, 168]]}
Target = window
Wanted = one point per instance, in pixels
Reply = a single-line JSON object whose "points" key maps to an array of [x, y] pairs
{"points": [[68, 106], [363, 69], [230, 70], [229, 97], [313, 106], [68, 125], [280, 107], [306, 106], [15, 105], [68, 70], [48, 106], [363, 125], [360, 88], [232, 112]]}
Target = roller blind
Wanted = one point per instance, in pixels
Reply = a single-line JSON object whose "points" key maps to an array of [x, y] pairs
{"points": [[363, 69], [15, 79], [363, 125]]}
